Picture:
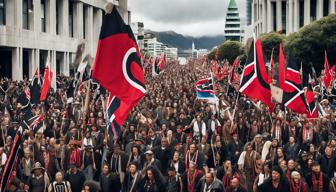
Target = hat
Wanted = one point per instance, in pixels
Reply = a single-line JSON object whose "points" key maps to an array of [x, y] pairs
{"points": [[140, 140], [37, 165], [149, 152]]}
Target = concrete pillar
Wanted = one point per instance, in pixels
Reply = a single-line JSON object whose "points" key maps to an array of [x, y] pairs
{"points": [[290, 15], [279, 15], [306, 12], [264, 16], [78, 20], [296, 15], [53, 68], [65, 67], [18, 16], [89, 30], [269, 16], [32, 63], [331, 6], [37, 15], [65, 18], [17, 73], [319, 9]]}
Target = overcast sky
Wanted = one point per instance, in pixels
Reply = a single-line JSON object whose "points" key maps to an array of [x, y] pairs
{"points": [[188, 17]]}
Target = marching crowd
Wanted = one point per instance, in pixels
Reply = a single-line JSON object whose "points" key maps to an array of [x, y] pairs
{"points": [[171, 141]]}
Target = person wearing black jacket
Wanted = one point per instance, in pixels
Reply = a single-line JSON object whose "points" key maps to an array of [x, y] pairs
{"points": [[133, 179], [317, 180], [277, 183], [76, 178], [105, 180]]}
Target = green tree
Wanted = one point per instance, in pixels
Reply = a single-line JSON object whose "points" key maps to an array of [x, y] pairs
{"points": [[230, 50], [270, 41], [309, 43], [212, 54]]}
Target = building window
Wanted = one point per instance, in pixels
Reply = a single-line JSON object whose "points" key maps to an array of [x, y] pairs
{"points": [[2, 12], [43, 16], [27, 9], [325, 7], [313, 7], [84, 21], [71, 19], [57, 18]]}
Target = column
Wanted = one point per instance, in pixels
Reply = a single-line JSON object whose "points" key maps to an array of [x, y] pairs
{"points": [[296, 15], [290, 20], [17, 73], [319, 9], [89, 30], [264, 16], [37, 15], [306, 12], [279, 15], [78, 20], [37, 59], [65, 18], [331, 6], [53, 68], [32, 63], [65, 68], [18, 15], [269, 16]]}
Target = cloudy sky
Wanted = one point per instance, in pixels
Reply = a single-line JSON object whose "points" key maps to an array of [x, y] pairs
{"points": [[188, 17]]}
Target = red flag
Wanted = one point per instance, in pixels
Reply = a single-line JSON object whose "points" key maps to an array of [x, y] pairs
{"points": [[117, 65], [162, 62], [293, 96], [281, 69], [254, 81], [48, 74], [327, 76], [312, 109], [232, 71]]}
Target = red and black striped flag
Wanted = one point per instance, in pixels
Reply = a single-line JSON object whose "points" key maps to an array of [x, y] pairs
{"points": [[117, 66], [293, 96], [255, 78]]}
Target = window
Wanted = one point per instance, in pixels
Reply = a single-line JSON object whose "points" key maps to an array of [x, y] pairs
{"points": [[57, 18], [2, 12], [25, 14], [71, 19], [84, 22], [43, 16]]}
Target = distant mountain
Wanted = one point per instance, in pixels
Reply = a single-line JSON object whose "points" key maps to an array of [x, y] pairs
{"points": [[173, 39]]}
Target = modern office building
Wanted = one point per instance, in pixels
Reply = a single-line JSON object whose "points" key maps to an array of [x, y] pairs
{"points": [[171, 53], [33, 30], [232, 30], [288, 16]]}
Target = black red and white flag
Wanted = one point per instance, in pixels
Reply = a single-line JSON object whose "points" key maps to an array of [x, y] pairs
{"points": [[255, 78], [293, 95], [48, 74], [35, 123], [35, 88], [312, 107], [10, 165], [117, 66], [232, 72]]}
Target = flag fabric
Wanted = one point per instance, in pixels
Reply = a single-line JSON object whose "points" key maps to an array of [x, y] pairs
{"points": [[232, 74], [113, 110], [35, 88], [27, 93], [293, 96], [205, 90], [118, 68], [281, 68], [10, 165], [48, 74], [312, 108], [327, 73], [35, 123], [23, 100], [70, 92], [162, 61], [254, 80], [155, 68], [272, 67]]}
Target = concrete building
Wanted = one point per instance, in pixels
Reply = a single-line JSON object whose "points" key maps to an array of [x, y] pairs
{"points": [[232, 30], [171, 53], [288, 16], [139, 33], [153, 46], [33, 30]]}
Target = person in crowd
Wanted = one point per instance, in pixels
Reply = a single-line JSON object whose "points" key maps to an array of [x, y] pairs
{"points": [[133, 179], [235, 185], [174, 181], [38, 180], [191, 178], [59, 185], [276, 182], [75, 177], [317, 180], [106, 180], [211, 183], [297, 184]]}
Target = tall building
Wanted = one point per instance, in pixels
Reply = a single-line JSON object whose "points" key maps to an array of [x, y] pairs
{"points": [[171, 53], [153, 47], [33, 30], [288, 16], [139, 33], [232, 30]]}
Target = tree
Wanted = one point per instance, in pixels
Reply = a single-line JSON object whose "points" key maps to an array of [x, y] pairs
{"points": [[212, 54], [230, 50], [309, 43], [270, 41]]}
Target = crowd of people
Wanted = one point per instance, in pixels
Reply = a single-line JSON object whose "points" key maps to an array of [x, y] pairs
{"points": [[170, 142]]}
